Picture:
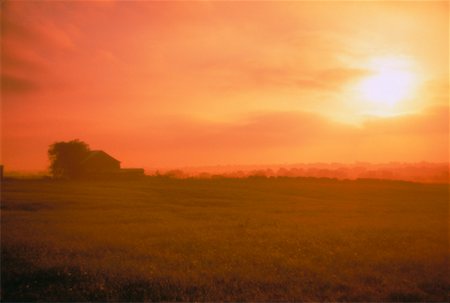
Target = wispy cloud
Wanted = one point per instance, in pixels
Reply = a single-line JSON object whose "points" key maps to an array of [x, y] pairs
{"points": [[17, 85]]}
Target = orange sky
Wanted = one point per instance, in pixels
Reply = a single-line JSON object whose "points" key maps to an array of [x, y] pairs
{"points": [[166, 84]]}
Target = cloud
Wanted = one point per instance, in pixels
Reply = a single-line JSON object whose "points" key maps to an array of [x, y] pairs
{"points": [[254, 131], [17, 85], [332, 78], [289, 137], [32, 45], [262, 137], [434, 120]]}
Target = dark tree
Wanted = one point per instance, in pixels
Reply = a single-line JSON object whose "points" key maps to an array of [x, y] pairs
{"points": [[65, 158]]}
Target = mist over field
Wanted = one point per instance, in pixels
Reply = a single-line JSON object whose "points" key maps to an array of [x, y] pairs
{"points": [[414, 172]]}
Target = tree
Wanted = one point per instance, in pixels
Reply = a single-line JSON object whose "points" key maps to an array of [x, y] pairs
{"points": [[65, 158]]}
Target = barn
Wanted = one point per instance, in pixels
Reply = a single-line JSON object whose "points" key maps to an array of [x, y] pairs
{"points": [[99, 165], [97, 161]]}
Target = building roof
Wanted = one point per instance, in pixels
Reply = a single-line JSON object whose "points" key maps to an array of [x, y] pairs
{"points": [[97, 153]]}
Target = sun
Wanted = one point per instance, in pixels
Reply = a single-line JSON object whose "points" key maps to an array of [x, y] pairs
{"points": [[392, 80], [387, 87]]}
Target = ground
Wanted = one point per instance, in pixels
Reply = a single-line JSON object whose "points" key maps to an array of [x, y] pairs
{"points": [[256, 239]]}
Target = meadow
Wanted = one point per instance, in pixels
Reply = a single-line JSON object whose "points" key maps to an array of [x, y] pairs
{"points": [[252, 239]]}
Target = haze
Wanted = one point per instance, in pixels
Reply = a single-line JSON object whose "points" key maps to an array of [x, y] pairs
{"points": [[209, 83]]}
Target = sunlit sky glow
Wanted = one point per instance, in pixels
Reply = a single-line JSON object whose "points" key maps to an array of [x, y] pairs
{"points": [[393, 80], [167, 84]]}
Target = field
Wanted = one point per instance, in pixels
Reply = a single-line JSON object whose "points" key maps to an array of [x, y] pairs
{"points": [[255, 239]]}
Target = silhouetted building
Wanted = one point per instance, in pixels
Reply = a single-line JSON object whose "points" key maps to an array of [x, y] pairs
{"points": [[100, 165], [99, 161]]}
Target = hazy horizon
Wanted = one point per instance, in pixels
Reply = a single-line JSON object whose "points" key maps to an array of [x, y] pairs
{"points": [[253, 165]]}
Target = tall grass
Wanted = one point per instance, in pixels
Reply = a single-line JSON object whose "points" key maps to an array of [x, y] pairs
{"points": [[224, 240]]}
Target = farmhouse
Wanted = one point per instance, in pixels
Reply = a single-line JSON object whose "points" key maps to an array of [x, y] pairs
{"points": [[99, 165], [99, 161]]}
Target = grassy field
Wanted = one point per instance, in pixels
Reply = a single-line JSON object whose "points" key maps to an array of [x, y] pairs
{"points": [[224, 240]]}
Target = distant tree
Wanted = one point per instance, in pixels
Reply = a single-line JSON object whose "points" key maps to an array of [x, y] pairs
{"points": [[65, 158]]}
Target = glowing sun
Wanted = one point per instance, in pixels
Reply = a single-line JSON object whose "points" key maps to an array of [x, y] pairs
{"points": [[393, 80]]}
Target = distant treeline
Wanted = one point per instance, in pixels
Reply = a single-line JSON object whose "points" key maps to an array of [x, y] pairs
{"points": [[415, 172]]}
